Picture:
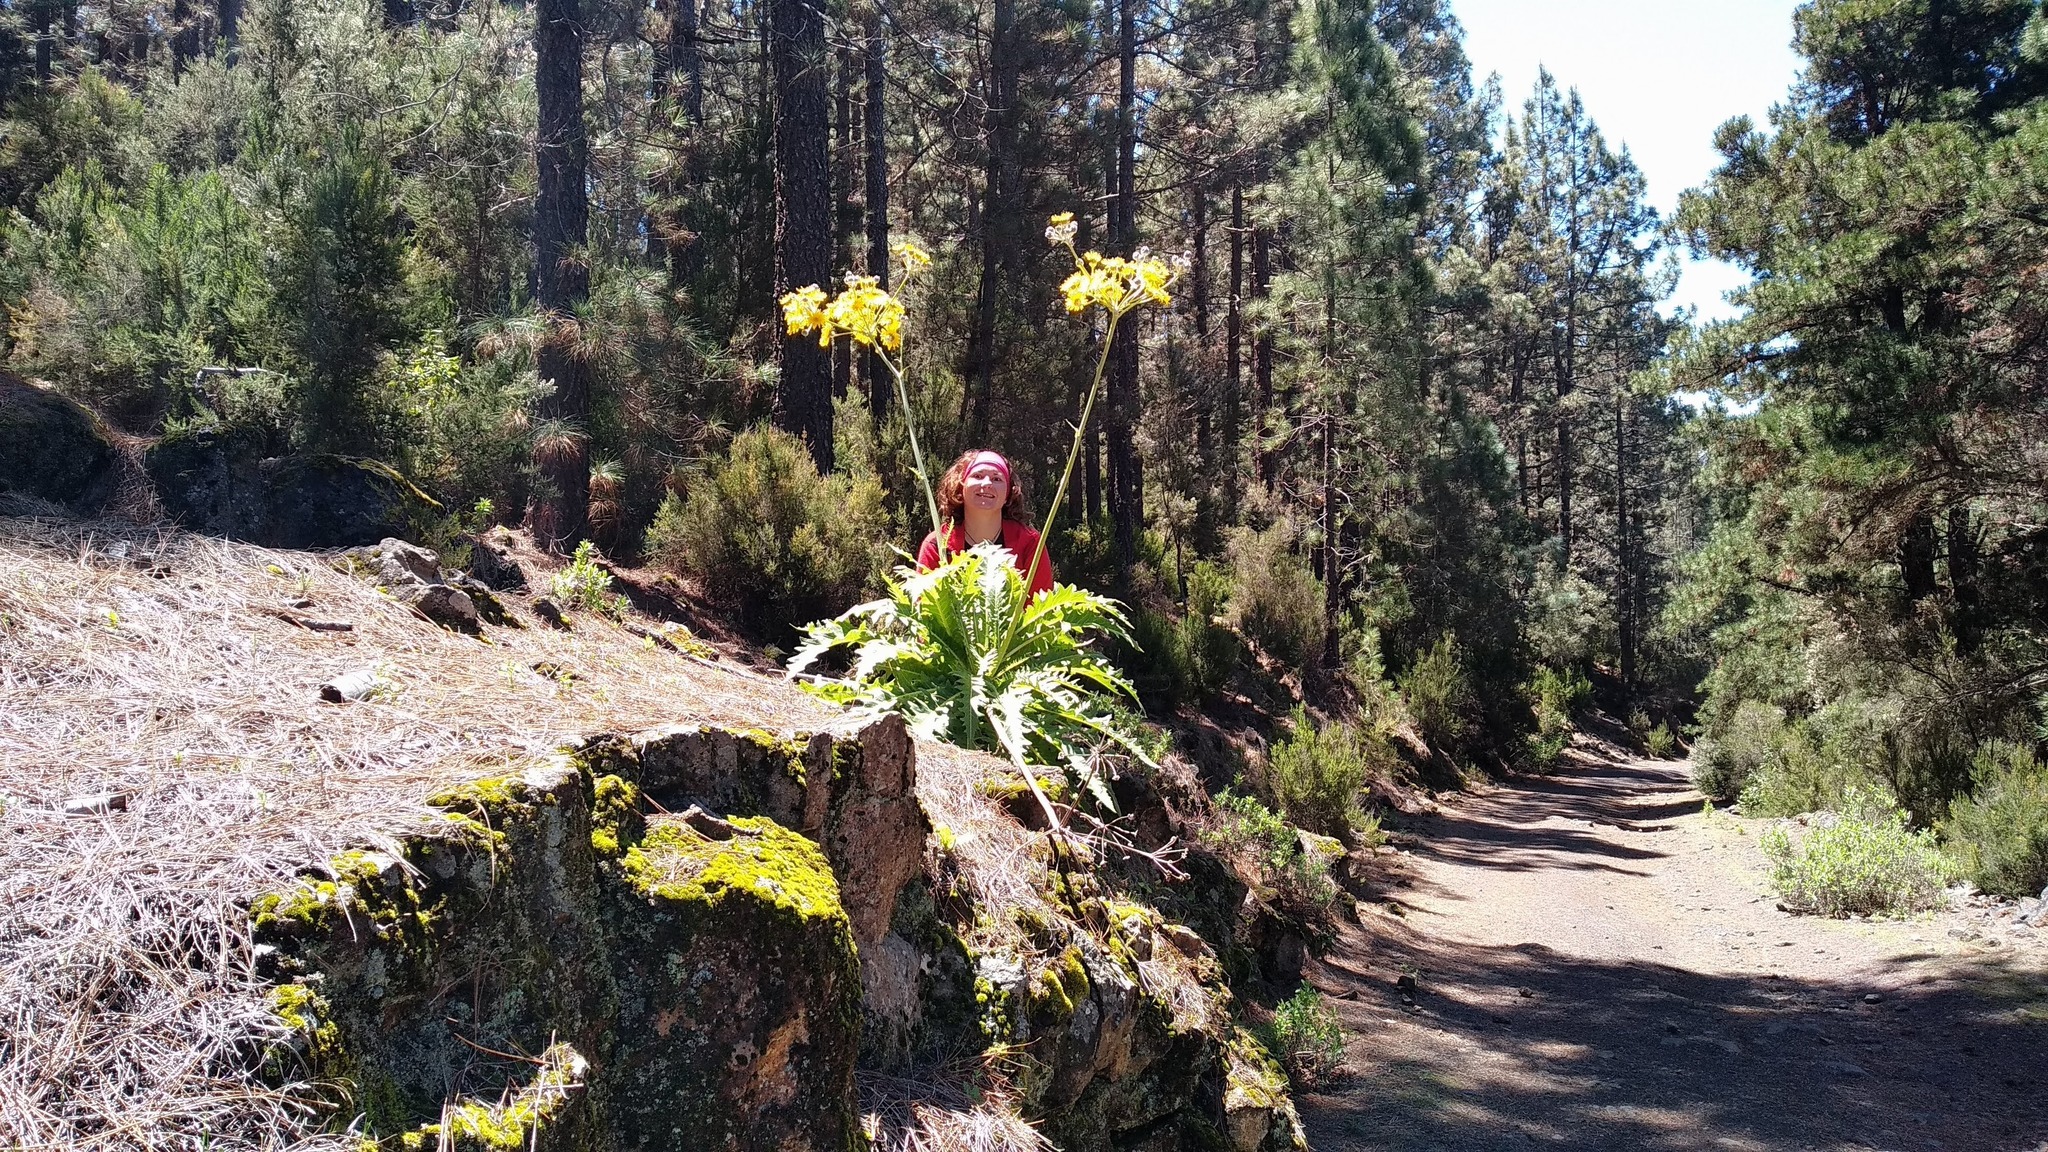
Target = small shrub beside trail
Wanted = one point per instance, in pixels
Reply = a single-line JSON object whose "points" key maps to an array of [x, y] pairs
{"points": [[1862, 860], [1306, 1037]]}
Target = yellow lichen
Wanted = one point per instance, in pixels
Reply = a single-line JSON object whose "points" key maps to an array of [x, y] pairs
{"points": [[765, 861]]}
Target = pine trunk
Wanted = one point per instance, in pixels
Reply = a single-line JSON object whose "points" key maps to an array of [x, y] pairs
{"points": [[561, 216], [803, 213]]}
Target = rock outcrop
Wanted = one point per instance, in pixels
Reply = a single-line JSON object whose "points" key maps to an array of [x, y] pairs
{"points": [[53, 449], [224, 484], [689, 937], [700, 968]]}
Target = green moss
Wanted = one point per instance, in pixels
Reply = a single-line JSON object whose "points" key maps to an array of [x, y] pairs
{"points": [[306, 908], [766, 861], [512, 1126], [615, 820], [489, 795], [1255, 1079], [786, 753], [1056, 991]]}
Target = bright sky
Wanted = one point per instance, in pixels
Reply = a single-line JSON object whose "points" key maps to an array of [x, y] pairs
{"points": [[1656, 75]]}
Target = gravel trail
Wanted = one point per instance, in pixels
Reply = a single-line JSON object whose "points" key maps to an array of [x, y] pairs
{"points": [[1599, 965]]}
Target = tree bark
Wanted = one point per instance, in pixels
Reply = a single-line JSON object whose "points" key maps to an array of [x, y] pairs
{"points": [[1127, 483], [1262, 350], [1233, 356], [803, 212], [876, 142], [1916, 557], [561, 219]]}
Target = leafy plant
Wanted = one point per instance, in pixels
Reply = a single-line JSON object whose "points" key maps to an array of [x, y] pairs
{"points": [[1306, 1037], [1661, 742], [1722, 764], [965, 655], [582, 583], [1999, 835], [1861, 860], [1275, 600], [1556, 697]]}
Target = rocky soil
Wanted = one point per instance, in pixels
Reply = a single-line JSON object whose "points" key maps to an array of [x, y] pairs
{"points": [[1598, 964]]}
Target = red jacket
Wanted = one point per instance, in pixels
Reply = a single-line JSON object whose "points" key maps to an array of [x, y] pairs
{"points": [[1020, 540]]}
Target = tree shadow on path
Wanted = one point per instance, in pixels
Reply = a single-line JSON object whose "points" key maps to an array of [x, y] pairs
{"points": [[1522, 1046]]}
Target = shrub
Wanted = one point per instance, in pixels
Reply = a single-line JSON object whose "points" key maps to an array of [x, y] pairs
{"points": [[1556, 698], [1439, 697], [1317, 775], [1212, 648], [763, 529], [583, 584], [1661, 742], [1861, 860], [1722, 764], [1306, 1037], [1999, 835], [1249, 830], [1275, 600]]}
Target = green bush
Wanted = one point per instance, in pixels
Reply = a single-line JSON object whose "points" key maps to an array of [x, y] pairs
{"points": [[1275, 600], [1864, 859], [1306, 1037], [1212, 648], [1722, 764], [765, 532], [1316, 776], [1247, 829], [1556, 697], [1661, 742], [582, 584], [1439, 697], [1999, 835]]}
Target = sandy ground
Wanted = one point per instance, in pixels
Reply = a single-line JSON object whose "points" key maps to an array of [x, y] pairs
{"points": [[1599, 965]]}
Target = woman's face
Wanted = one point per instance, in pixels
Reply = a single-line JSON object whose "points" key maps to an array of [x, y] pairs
{"points": [[985, 489]]}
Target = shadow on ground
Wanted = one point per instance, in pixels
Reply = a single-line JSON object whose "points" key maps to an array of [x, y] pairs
{"points": [[1523, 1047]]}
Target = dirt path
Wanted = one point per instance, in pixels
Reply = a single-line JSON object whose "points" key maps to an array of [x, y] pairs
{"points": [[1598, 966]]}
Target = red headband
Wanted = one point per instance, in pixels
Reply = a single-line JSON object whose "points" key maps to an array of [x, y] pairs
{"points": [[995, 458]]}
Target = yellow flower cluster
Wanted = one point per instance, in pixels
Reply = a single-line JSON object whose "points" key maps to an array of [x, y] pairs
{"points": [[1114, 283], [912, 257], [864, 311]]}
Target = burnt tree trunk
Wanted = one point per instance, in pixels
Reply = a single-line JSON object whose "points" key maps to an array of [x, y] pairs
{"points": [[803, 212], [561, 220]]}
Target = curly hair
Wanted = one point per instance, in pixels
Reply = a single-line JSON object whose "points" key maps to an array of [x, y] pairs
{"points": [[953, 493]]}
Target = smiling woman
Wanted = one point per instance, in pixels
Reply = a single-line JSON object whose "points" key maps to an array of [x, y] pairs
{"points": [[979, 501]]}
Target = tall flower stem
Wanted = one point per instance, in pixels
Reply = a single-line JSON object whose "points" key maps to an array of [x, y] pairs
{"points": [[1059, 496], [924, 476]]}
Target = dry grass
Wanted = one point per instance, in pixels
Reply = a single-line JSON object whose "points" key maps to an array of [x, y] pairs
{"points": [[937, 1113], [162, 668]]}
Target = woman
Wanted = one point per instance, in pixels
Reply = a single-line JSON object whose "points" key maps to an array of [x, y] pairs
{"points": [[979, 502]]}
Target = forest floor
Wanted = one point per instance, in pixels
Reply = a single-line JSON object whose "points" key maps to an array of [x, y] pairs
{"points": [[1599, 964]]}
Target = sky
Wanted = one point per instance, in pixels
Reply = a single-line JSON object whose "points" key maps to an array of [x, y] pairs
{"points": [[1656, 75]]}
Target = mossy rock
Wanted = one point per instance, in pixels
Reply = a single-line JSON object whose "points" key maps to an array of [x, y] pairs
{"points": [[223, 484], [54, 449], [740, 990]]}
